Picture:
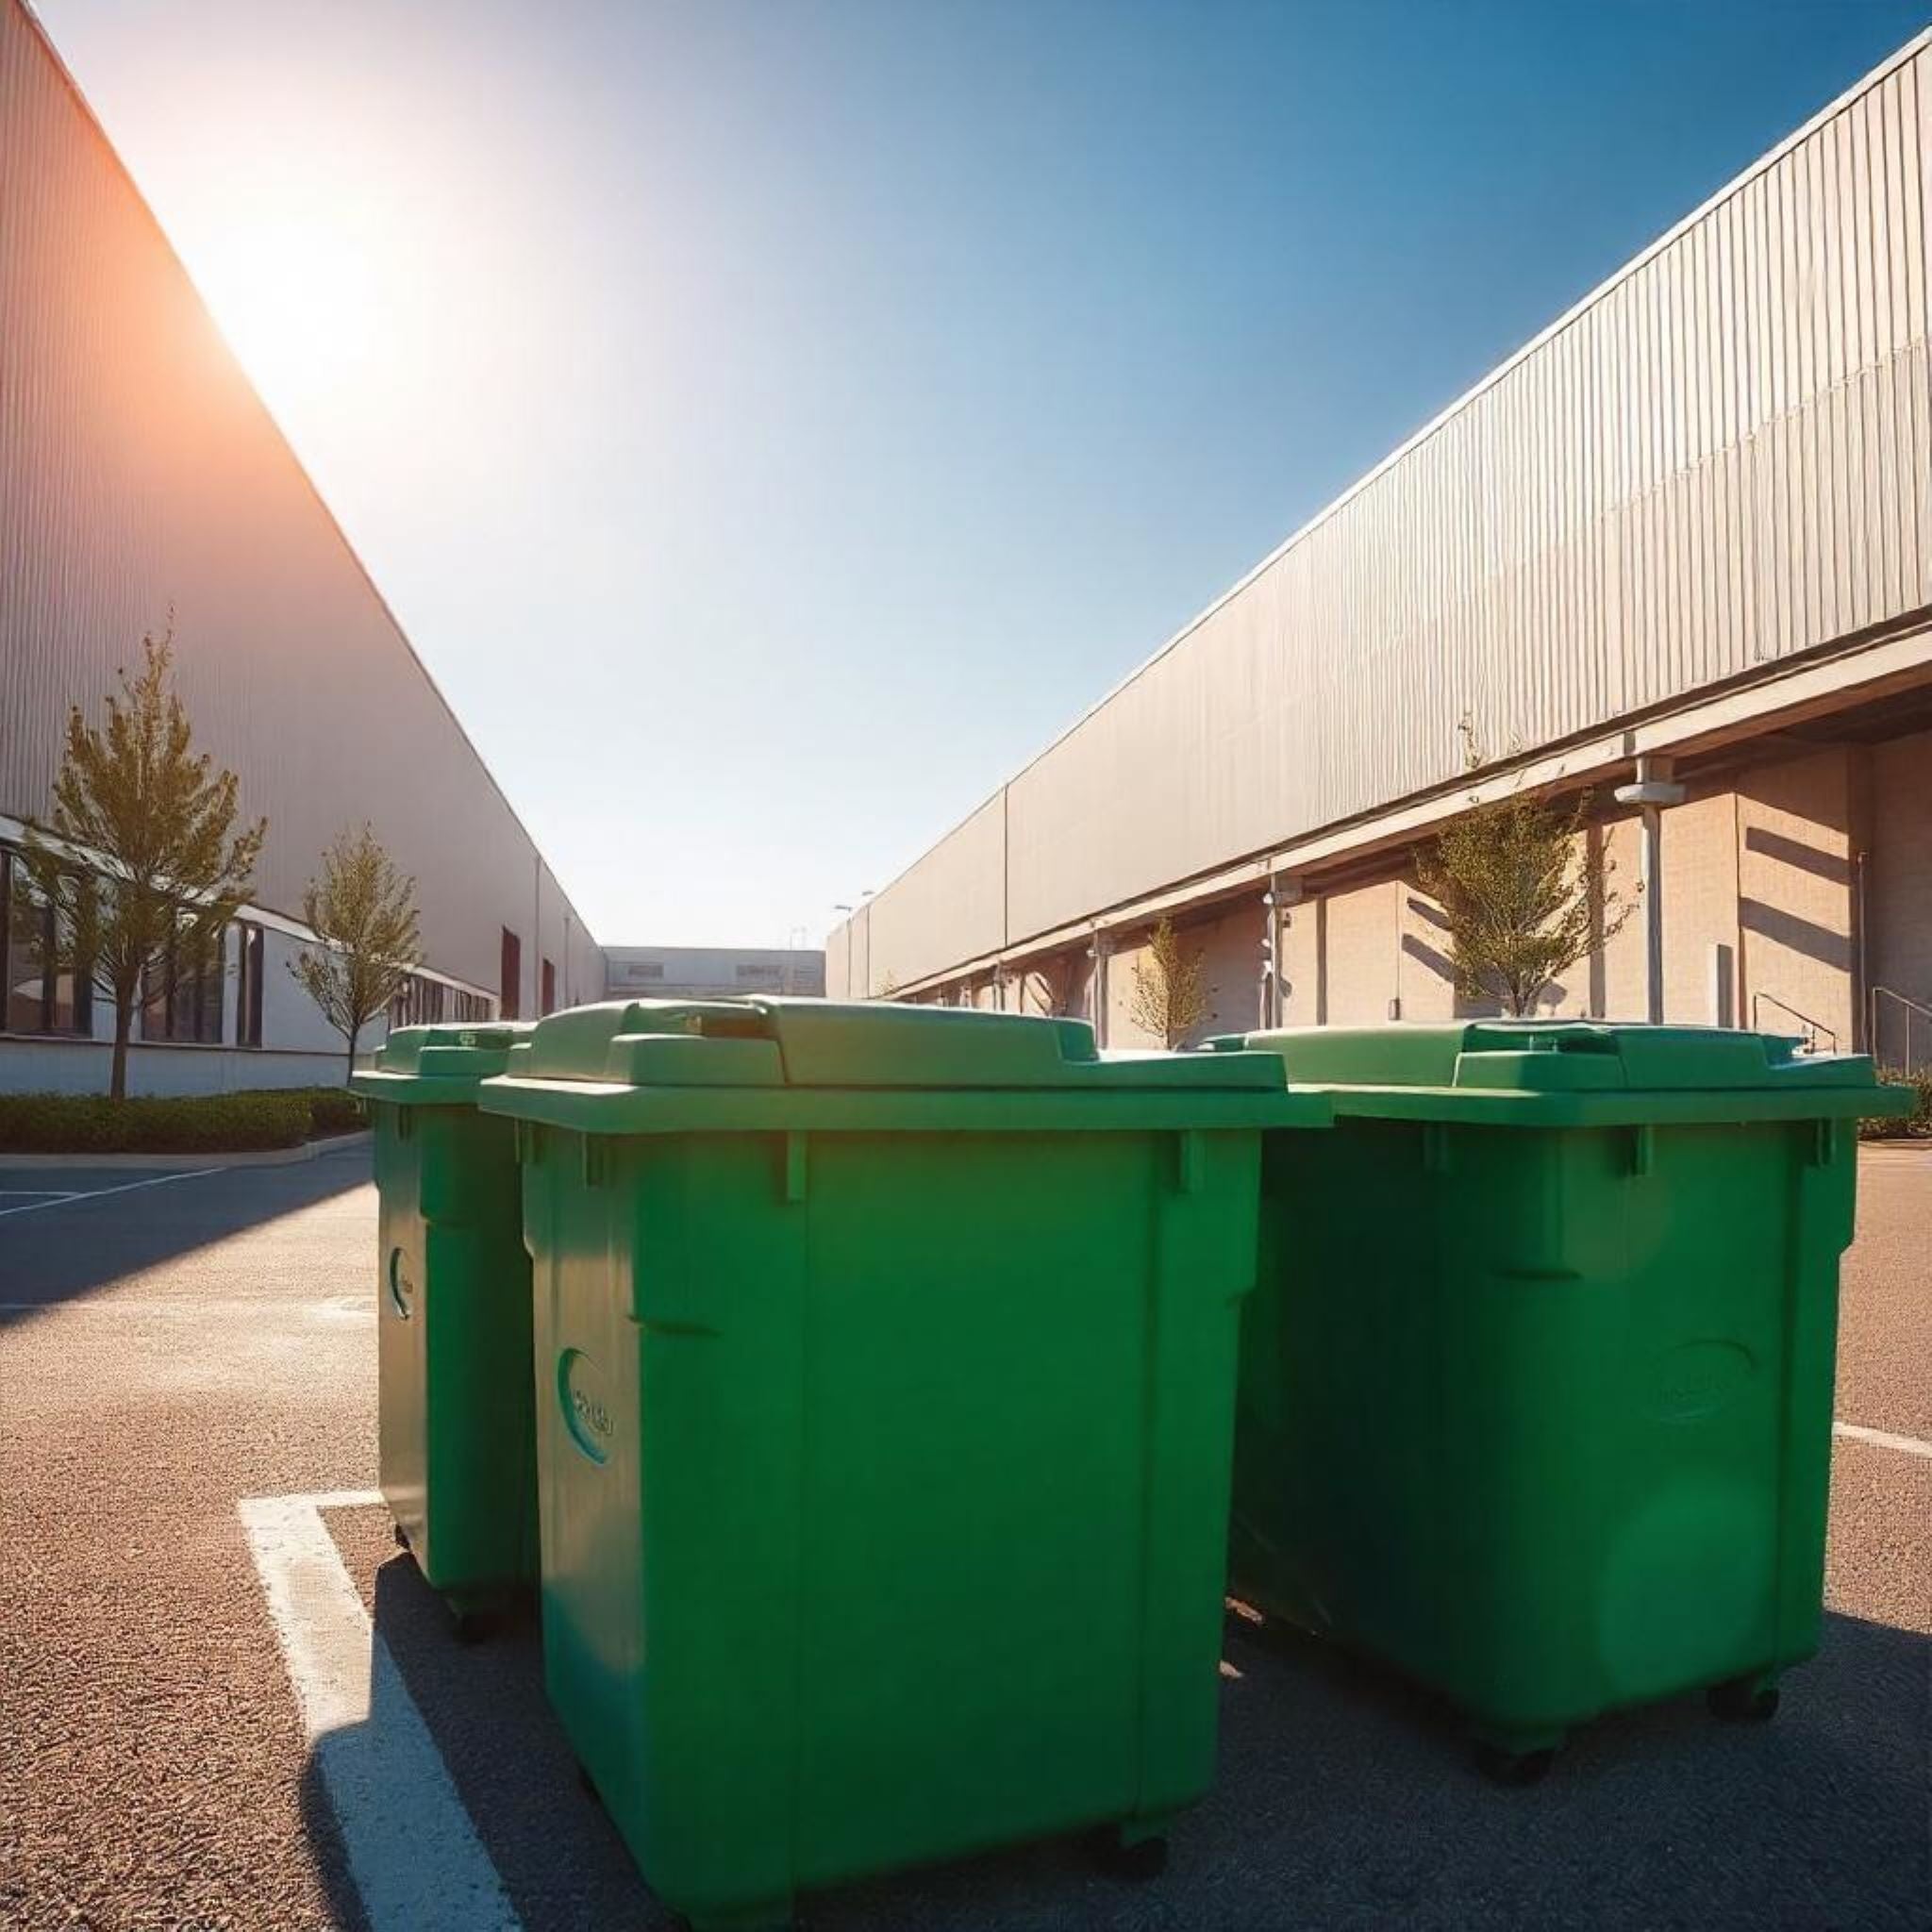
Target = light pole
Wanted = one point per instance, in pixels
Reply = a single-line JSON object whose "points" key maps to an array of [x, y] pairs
{"points": [[851, 913], [847, 910], [1281, 894], [1654, 788]]}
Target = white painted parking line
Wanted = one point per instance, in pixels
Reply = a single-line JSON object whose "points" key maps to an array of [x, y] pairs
{"points": [[413, 1853], [38, 1194], [160, 1180], [1882, 1439]]}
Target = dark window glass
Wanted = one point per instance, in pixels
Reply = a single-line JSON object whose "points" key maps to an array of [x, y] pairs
{"points": [[512, 974], [549, 1004], [420, 1001], [248, 989], [181, 994], [26, 953]]}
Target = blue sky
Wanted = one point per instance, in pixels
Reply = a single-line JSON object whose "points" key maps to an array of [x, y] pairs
{"points": [[774, 423]]}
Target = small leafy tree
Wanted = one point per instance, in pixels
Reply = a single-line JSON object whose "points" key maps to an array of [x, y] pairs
{"points": [[1169, 999], [141, 856], [363, 910], [1525, 893]]}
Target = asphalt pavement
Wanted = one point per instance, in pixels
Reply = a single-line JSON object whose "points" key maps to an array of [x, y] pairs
{"points": [[174, 1347]]}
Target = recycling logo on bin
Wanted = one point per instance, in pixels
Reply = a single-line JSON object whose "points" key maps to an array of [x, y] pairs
{"points": [[402, 1291], [585, 1413]]}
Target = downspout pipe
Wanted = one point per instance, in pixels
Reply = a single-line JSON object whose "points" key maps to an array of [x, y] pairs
{"points": [[1654, 789]]}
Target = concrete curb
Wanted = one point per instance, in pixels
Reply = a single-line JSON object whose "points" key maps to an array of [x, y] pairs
{"points": [[175, 1163]]}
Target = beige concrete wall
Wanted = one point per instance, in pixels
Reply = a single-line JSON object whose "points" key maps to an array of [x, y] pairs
{"points": [[1758, 867], [1898, 889], [1362, 947], [1794, 903], [1301, 964], [1700, 905]]}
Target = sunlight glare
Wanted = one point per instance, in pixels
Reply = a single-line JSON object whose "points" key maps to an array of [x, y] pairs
{"points": [[296, 285]]}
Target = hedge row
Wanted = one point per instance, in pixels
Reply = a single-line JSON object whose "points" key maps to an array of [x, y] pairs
{"points": [[1918, 1122], [185, 1123]]}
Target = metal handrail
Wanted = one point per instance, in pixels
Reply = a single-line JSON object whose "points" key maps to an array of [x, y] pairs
{"points": [[1815, 1030], [1911, 1006]]}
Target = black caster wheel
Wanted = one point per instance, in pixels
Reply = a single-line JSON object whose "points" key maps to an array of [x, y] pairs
{"points": [[1514, 1770], [1143, 1861], [402, 1540], [1743, 1702], [471, 1626]]}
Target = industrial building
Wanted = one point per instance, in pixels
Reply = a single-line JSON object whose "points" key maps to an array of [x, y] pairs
{"points": [[1682, 539], [702, 972], [138, 473]]}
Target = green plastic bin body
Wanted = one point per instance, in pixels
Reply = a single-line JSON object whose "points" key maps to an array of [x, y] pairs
{"points": [[1536, 1391], [888, 1362], [456, 1386]]}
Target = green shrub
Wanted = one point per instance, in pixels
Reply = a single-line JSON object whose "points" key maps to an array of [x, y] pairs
{"points": [[240, 1123], [186, 1124], [1918, 1122], [336, 1110]]}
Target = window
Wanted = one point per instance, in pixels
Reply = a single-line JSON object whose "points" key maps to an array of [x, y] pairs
{"points": [[45, 994], [758, 972], [548, 1003], [512, 977], [248, 988], [419, 1002], [468, 1009], [181, 997]]}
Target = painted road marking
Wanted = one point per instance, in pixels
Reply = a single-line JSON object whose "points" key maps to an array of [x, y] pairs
{"points": [[413, 1853], [160, 1180], [1881, 1438]]}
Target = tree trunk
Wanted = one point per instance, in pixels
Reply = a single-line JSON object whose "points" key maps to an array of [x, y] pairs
{"points": [[355, 1033], [124, 1028]]}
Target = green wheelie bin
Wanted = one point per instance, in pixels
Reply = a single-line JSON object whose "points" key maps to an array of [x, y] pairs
{"points": [[887, 1358], [1536, 1387], [453, 1304]]}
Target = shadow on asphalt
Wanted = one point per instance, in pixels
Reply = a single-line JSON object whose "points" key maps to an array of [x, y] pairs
{"points": [[1345, 1799], [57, 1254]]}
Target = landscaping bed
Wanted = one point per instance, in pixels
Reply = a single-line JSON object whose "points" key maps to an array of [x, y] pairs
{"points": [[248, 1122], [1914, 1126]]}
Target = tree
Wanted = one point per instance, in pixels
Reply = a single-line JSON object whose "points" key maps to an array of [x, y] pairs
{"points": [[1169, 999], [141, 854], [1525, 893], [363, 910]]}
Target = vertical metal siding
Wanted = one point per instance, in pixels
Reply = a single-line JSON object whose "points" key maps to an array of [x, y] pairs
{"points": [[1722, 459], [139, 469]]}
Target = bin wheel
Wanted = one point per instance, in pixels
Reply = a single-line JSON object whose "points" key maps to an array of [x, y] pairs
{"points": [[1139, 1862], [471, 1626], [1743, 1701], [1514, 1769], [401, 1535]]}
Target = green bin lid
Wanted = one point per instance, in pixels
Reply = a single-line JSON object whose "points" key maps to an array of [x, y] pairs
{"points": [[670, 1065], [1581, 1072], [438, 1064]]}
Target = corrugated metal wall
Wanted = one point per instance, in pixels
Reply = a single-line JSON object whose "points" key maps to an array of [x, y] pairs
{"points": [[1721, 459], [139, 469]]}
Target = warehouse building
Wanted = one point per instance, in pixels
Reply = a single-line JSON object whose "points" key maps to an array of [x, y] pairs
{"points": [[1681, 542], [709, 972], [139, 472]]}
